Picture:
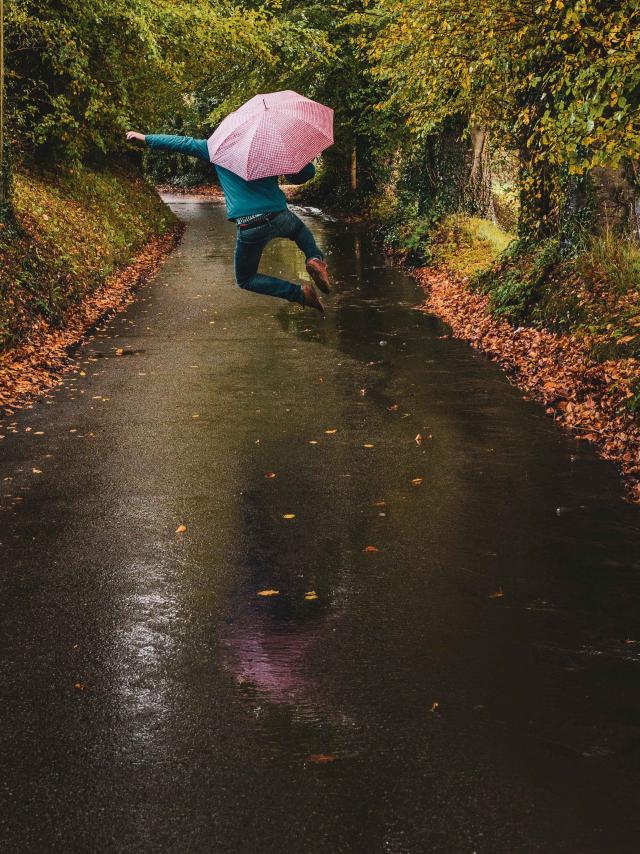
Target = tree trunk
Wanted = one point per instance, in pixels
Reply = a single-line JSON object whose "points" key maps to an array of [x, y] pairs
{"points": [[354, 169], [479, 190], [441, 171], [535, 220], [617, 199]]}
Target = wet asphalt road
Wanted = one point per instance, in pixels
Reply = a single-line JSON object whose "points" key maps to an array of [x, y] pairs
{"points": [[152, 701]]}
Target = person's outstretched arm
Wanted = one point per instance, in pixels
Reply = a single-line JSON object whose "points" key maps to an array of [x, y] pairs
{"points": [[176, 144], [304, 175]]}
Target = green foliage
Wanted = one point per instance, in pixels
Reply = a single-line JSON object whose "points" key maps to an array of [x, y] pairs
{"points": [[80, 73], [591, 293], [557, 81], [561, 77], [516, 282], [611, 259]]}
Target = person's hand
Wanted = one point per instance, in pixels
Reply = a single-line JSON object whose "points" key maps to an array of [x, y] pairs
{"points": [[133, 134]]}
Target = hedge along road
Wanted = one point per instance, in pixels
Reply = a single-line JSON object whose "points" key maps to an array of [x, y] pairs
{"points": [[451, 660]]}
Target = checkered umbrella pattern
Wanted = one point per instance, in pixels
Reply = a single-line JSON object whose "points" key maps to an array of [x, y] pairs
{"points": [[273, 134]]}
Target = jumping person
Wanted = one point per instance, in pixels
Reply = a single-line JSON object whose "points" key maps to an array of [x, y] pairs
{"points": [[259, 209]]}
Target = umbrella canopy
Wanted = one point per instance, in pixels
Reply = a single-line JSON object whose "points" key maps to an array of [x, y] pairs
{"points": [[272, 134]]}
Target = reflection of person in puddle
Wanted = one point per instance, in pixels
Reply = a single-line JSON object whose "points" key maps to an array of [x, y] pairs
{"points": [[269, 649]]}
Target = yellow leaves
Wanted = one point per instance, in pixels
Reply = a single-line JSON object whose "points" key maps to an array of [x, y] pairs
{"points": [[498, 594], [181, 529], [288, 515], [418, 439], [268, 592], [370, 549], [331, 432], [417, 481], [311, 595], [368, 445]]}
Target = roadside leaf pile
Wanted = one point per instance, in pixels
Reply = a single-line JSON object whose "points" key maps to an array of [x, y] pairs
{"points": [[584, 396]]}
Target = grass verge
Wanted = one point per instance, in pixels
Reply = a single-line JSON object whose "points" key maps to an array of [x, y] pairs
{"points": [[70, 231]]}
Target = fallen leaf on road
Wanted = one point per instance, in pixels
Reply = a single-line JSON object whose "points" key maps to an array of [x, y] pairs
{"points": [[36, 471], [330, 432], [312, 442], [80, 686], [371, 549], [321, 758], [119, 351], [394, 407], [288, 515], [311, 595], [418, 439], [367, 445], [268, 592], [380, 503], [181, 529], [434, 707], [416, 481], [497, 595], [270, 475]]}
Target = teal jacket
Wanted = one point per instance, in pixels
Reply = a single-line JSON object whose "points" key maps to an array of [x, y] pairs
{"points": [[243, 198]]}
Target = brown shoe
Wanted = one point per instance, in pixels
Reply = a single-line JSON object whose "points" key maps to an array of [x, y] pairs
{"points": [[319, 272], [311, 298]]}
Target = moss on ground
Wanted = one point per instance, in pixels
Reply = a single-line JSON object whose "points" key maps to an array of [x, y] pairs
{"points": [[69, 232], [468, 245]]}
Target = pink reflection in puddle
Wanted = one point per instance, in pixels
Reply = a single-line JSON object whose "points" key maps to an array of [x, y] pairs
{"points": [[272, 656]]}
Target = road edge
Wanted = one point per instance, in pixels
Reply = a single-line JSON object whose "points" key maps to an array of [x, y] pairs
{"points": [[551, 369], [37, 365]]}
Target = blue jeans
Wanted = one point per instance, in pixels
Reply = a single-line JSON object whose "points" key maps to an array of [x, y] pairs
{"points": [[250, 244]]}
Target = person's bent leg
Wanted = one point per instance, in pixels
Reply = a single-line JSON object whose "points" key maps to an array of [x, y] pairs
{"points": [[291, 226], [272, 287], [247, 260]]}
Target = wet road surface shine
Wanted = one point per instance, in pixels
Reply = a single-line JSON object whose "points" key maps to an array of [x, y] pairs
{"points": [[385, 699]]}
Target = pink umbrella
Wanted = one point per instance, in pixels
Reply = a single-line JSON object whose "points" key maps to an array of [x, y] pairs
{"points": [[273, 134]]}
